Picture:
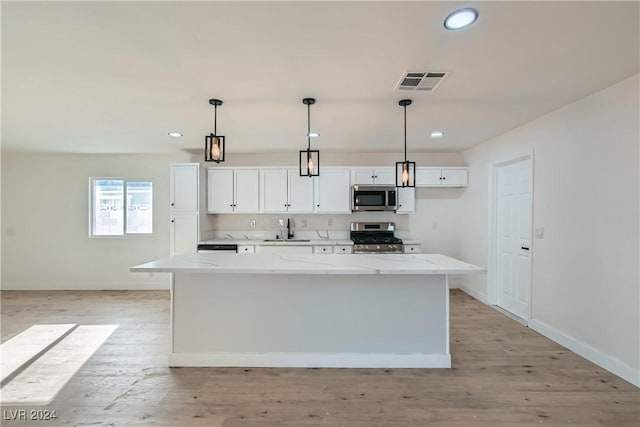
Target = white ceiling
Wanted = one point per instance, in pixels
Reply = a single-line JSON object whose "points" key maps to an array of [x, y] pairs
{"points": [[116, 77]]}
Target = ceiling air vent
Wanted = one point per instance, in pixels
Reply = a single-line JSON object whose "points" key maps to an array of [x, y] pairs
{"points": [[420, 81]]}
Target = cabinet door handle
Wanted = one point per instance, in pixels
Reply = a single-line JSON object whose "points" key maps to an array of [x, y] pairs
{"points": [[526, 249], [444, 177], [173, 220], [173, 204], [317, 206]]}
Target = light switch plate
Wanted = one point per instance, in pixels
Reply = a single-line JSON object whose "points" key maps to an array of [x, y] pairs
{"points": [[252, 223], [540, 233]]}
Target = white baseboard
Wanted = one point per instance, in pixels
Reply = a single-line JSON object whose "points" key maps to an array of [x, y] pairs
{"points": [[594, 355], [84, 286], [310, 360], [472, 292]]}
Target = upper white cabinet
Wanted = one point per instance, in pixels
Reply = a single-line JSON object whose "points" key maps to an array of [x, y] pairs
{"points": [[441, 177], [380, 176], [233, 190], [333, 191], [184, 188], [284, 190]]}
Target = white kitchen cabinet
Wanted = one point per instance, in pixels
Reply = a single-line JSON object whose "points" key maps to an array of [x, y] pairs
{"points": [[246, 249], [183, 187], [333, 191], [184, 233], [300, 192], [273, 189], [343, 249], [233, 190], [441, 177], [411, 249], [406, 200], [184, 212], [323, 249], [220, 191], [379, 176], [284, 190]]}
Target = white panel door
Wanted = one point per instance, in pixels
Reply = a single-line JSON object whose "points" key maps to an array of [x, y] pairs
{"points": [[333, 191], [184, 234], [273, 183], [514, 198], [184, 187], [406, 199], [454, 177], [220, 190], [300, 192], [385, 176], [246, 190], [362, 176], [428, 176]]}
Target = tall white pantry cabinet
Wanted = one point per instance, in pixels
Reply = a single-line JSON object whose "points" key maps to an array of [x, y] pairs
{"points": [[185, 207]]}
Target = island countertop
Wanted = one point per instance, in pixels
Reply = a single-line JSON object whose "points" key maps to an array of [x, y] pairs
{"points": [[360, 264]]}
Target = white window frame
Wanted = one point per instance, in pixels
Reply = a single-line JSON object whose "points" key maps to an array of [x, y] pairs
{"points": [[92, 213]]}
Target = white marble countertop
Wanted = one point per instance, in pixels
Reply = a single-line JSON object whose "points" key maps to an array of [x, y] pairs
{"points": [[212, 262], [293, 242], [276, 242]]}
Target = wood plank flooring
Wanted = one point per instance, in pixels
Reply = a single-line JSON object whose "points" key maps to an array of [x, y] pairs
{"points": [[503, 374]]}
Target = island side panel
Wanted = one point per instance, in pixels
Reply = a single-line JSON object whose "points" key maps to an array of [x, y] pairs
{"points": [[310, 320]]}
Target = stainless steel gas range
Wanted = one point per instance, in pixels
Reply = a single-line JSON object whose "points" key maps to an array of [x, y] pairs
{"points": [[375, 237]]}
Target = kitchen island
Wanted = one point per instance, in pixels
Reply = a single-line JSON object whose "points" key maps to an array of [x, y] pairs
{"points": [[363, 310]]}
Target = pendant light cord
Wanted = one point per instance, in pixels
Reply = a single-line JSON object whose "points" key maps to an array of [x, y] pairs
{"points": [[308, 127], [215, 120], [405, 133]]}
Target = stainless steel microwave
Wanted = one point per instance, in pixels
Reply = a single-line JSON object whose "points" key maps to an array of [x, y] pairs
{"points": [[368, 198]]}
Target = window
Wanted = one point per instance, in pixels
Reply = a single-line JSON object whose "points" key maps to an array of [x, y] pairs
{"points": [[121, 206]]}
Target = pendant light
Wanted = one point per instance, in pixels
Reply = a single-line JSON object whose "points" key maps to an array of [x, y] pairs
{"points": [[213, 143], [309, 159], [406, 170]]}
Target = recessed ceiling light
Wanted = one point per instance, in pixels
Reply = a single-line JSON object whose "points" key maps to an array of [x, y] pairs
{"points": [[437, 134], [175, 134], [313, 134], [461, 18]]}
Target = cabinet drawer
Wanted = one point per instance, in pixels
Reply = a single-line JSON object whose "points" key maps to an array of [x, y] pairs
{"points": [[344, 249], [325, 249], [246, 249], [411, 249]]}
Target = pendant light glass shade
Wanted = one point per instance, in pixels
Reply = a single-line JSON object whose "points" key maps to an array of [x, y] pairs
{"points": [[214, 144], [405, 170], [309, 159]]}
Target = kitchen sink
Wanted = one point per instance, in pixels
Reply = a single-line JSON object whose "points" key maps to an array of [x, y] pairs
{"points": [[286, 240]]}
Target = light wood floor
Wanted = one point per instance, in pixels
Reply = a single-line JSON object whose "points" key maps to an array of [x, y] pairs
{"points": [[503, 374]]}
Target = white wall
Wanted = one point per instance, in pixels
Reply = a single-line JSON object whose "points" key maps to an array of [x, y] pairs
{"points": [[45, 222], [585, 272]]}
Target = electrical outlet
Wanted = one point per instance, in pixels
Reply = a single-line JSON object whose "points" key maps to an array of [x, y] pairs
{"points": [[330, 222], [304, 223], [540, 233], [252, 223], [281, 222]]}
